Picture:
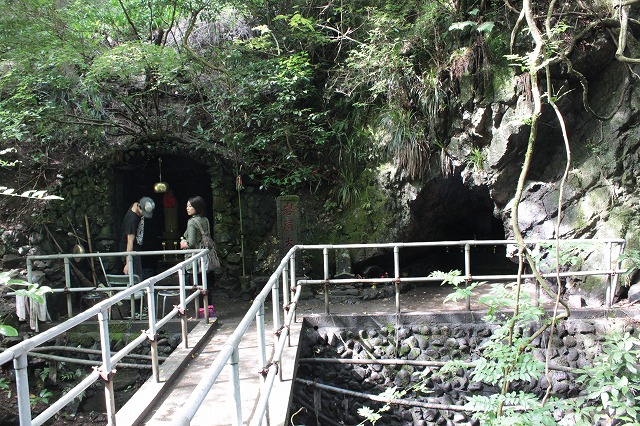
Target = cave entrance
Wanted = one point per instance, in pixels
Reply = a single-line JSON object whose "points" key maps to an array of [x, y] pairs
{"points": [[448, 210], [136, 178]]}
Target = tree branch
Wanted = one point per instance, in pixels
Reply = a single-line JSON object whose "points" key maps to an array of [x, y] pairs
{"points": [[126, 14], [622, 37]]}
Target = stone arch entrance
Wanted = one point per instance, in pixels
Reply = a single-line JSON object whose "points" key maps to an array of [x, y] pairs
{"points": [[136, 177]]}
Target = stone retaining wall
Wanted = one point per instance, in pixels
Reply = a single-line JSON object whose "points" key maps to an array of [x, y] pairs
{"points": [[424, 339]]}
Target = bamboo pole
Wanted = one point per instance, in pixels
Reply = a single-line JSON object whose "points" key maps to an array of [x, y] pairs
{"points": [[93, 266]]}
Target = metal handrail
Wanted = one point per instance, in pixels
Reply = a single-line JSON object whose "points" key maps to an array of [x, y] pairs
{"points": [[284, 278], [286, 272], [18, 353]]}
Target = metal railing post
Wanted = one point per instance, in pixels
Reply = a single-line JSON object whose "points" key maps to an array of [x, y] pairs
{"points": [[275, 306], [20, 364], [205, 293], [617, 265], [292, 273], [67, 286], [285, 285], [183, 308], [132, 299], [467, 271], [152, 333], [262, 349], [396, 272], [260, 335], [234, 382], [325, 257], [612, 289], [107, 370]]}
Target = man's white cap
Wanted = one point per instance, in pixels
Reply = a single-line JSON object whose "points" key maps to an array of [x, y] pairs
{"points": [[147, 205]]}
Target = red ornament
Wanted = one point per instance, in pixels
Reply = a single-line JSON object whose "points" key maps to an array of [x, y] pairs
{"points": [[169, 200]]}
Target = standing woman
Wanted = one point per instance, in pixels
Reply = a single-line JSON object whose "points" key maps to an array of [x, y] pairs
{"points": [[192, 237]]}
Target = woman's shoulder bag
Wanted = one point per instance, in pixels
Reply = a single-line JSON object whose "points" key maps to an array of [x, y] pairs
{"points": [[211, 260]]}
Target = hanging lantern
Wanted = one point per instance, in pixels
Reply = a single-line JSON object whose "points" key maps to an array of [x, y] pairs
{"points": [[160, 187]]}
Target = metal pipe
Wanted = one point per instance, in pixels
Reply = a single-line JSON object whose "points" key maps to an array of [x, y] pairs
{"points": [[65, 399], [325, 256], [234, 382], [184, 416], [20, 364], [275, 307], [19, 352], [467, 271], [292, 268], [422, 363], [29, 270], [197, 396], [205, 292], [262, 407], [183, 307], [396, 274], [41, 349], [288, 261], [107, 367], [460, 243], [612, 290], [285, 285], [261, 342], [96, 363], [407, 402], [67, 286], [503, 277], [617, 266], [260, 336], [152, 333]]}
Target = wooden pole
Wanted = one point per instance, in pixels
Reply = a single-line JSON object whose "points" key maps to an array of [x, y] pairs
{"points": [[93, 266], [75, 269]]}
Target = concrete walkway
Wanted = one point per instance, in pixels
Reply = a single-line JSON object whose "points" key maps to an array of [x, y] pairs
{"points": [[158, 403]]}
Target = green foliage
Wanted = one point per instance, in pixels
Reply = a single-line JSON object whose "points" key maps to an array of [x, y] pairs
{"points": [[456, 279], [485, 27], [477, 158], [42, 397], [533, 415], [504, 357], [612, 384], [405, 136], [5, 387], [42, 373], [569, 255], [278, 101], [70, 374], [632, 259], [374, 416], [32, 291], [130, 61]]}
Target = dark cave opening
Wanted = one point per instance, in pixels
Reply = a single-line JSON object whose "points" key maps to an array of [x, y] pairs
{"points": [[448, 210], [136, 178]]}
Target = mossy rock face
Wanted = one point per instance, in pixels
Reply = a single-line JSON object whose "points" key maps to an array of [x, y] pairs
{"points": [[366, 221], [119, 327]]}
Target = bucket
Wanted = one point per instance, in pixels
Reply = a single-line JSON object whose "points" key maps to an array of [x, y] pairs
{"points": [[201, 312]]}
